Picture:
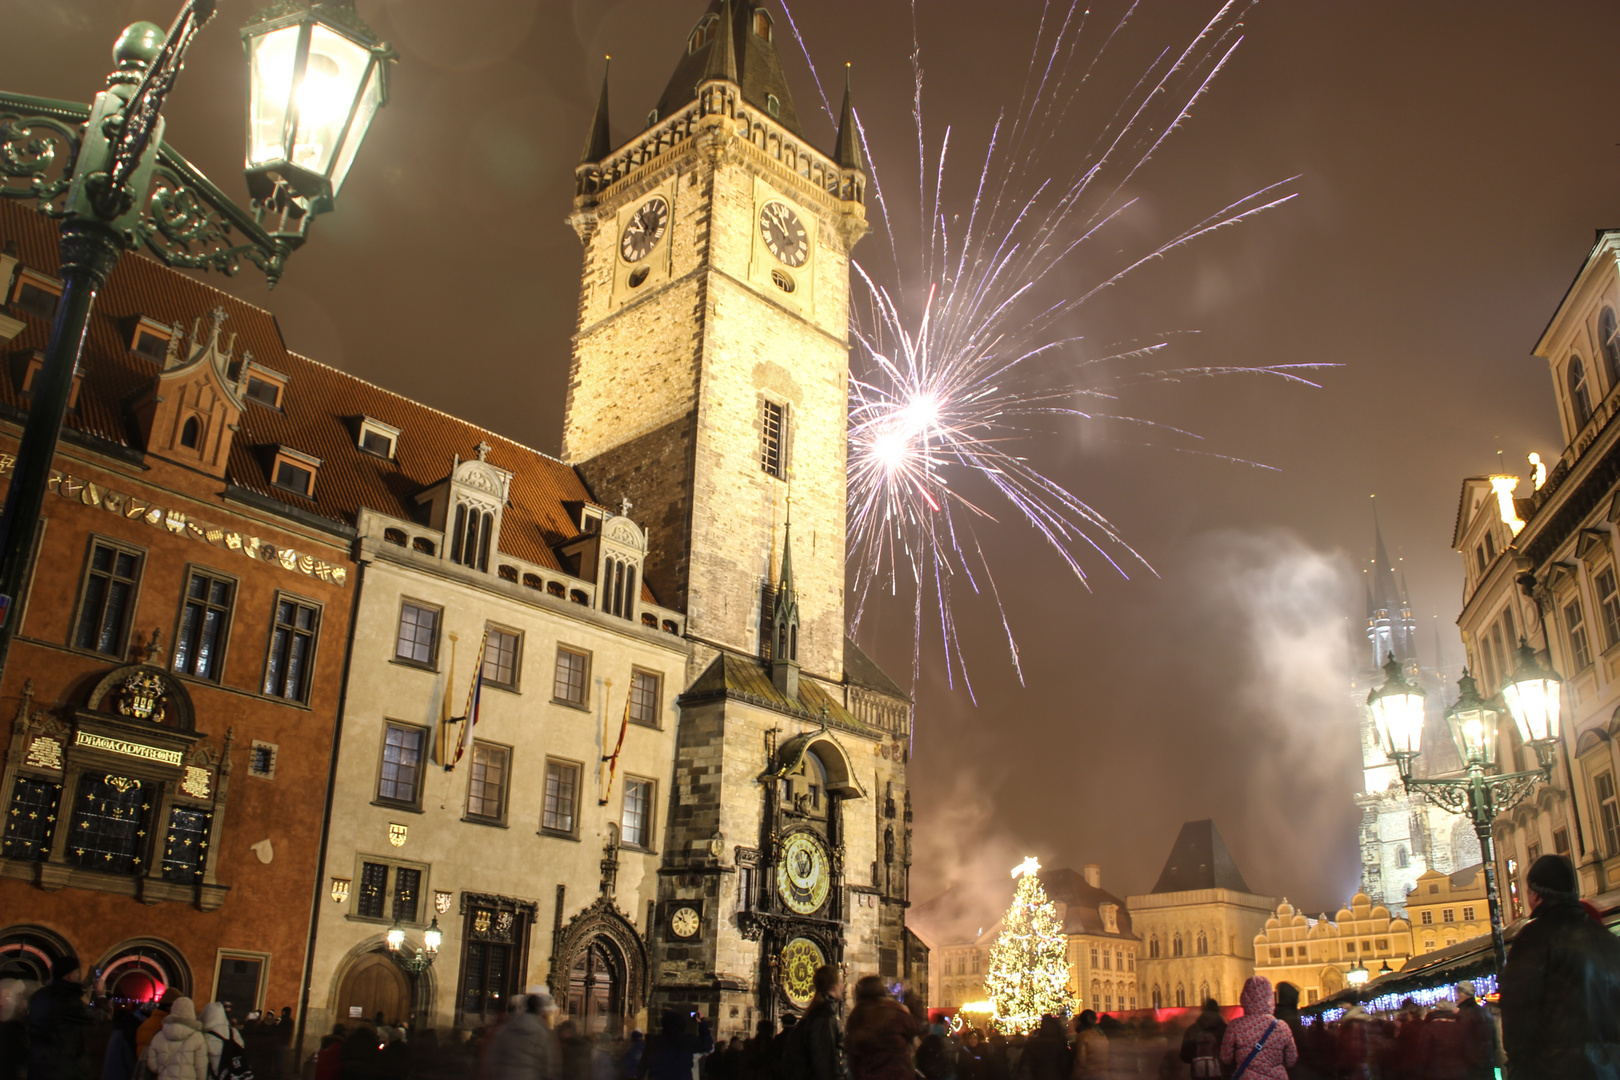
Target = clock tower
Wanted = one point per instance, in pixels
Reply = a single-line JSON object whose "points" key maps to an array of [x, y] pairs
{"points": [[709, 388]]}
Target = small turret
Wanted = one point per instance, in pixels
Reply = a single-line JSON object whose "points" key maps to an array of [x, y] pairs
{"points": [[847, 151], [599, 143], [785, 623]]}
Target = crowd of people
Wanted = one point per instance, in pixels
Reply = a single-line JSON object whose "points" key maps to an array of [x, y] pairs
{"points": [[1557, 1018]]}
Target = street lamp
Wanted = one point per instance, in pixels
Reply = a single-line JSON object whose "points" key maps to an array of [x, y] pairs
{"points": [[105, 172], [1482, 793], [1358, 975], [422, 958]]}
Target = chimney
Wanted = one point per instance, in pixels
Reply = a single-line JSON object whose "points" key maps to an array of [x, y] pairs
{"points": [[1093, 875]]}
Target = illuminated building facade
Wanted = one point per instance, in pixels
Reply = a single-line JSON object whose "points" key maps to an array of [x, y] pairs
{"points": [[1444, 909], [1317, 955]]}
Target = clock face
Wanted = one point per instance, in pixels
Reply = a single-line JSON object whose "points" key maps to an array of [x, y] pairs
{"points": [[799, 960], [684, 922], [645, 229], [784, 233], [803, 876]]}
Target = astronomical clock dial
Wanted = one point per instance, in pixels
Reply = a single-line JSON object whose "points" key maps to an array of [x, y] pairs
{"points": [[645, 229], [803, 876], [784, 234], [798, 962], [684, 923]]}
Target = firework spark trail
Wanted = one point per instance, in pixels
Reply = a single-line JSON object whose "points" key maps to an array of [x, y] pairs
{"points": [[949, 390]]}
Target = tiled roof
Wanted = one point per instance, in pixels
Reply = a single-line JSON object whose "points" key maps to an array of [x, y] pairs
{"points": [[862, 670], [1083, 904], [320, 411], [747, 679], [1200, 860]]}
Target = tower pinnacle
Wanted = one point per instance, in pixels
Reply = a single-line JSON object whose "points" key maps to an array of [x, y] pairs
{"points": [[847, 152], [599, 143]]}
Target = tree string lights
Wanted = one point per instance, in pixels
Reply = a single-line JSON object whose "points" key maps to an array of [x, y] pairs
{"points": [[1028, 976]]}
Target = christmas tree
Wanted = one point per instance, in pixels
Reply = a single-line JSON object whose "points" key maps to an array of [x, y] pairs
{"points": [[1029, 966]]}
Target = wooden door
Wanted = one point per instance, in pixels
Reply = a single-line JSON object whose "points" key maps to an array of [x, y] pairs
{"points": [[375, 984], [596, 991]]}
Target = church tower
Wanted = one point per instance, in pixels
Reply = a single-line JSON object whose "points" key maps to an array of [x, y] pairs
{"points": [[710, 389], [710, 368]]}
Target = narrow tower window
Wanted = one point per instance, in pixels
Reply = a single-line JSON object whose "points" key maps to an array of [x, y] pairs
{"points": [[703, 33], [1580, 396], [762, 24], [772, 457], [191, 433]]}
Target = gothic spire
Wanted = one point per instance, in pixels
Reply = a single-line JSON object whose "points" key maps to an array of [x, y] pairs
{"points": [[599, 143], [722, 59], [1385, 593], [736, 42], [785, 622], [847, 151]]}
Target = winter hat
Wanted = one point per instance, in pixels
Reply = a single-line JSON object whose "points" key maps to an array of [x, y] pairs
{"points": [[63, 966], [1553, 876], [1465, 989]]}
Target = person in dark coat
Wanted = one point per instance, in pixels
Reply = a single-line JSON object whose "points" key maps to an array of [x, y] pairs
{"points": [[1046, 1056], [328, 1060], [1288, 1012], [13, 1022], [59, 1025], [1478, 1034], [820, 1035], [1561, 985], [881, 1034], [759, 1054], [119, 1061], [669, 1053], [1201, 1042]]}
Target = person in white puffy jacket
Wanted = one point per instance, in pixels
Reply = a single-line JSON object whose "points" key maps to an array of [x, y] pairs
{"points": [[179, 1051], [217, 1031]]}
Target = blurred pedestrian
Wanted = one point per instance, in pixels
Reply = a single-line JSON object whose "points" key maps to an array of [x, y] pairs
{"points": [[13, 1026], [1478, 1034], [669, 1053], [1201, 1042], [970, 1058], [153, 1022], [1090, 1048], [881, 1035], [759, 1055], [179, 1051], [1046, 1056], [1561, 985], [523, 1048], [328, 1059], [1353, 1045], [630, 1061], [816, 1049], [1258, 1046], [59, 1025]]}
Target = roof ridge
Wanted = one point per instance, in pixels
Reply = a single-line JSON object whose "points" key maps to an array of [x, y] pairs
{"points": [[432, 409], [204, 283]]}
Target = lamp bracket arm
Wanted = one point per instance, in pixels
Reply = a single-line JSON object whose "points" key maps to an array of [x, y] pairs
{"points": [[40, 141], [1449, 795]]}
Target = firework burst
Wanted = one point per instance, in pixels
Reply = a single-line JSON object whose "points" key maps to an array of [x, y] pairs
{"points": [[965, 359]]}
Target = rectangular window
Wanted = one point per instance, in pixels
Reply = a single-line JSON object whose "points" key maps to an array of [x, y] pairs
{"points": [[1580, 650], [150, 345], [1608, 605], [240, 979], [486, 785], [109, 825], [562, 792], [1561, 841], [262, 760], [772, 454], [407, 887], [294, 478], [199, 643], [109, 599], [401, 777], [1608, 812], [573, 669], [645, 690], [36, 296], [637, 823], [185, 845], [1428, 918], [264, 392], [1448, 915], [418, 639], [745, 888], [292, 650], [501, 657], [1468, 914], [31, 819], [373, 886]]}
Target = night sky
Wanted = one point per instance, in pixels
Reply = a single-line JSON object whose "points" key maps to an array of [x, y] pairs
{"points": [[1454, 162]]}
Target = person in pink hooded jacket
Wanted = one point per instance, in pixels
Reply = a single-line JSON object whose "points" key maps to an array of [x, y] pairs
{"points": [[1258, 1027]]}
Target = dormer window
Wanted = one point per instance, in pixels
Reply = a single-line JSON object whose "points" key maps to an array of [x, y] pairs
{"points": [[377, 437], [151, 340], [652, 118], [36, 363], [263, 386], [294, 471], [590, 519], [36, 294], [762, 24], [773, 105], [703, 33], [470, 543]]}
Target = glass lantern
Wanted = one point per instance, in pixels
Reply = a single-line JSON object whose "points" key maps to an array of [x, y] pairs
{"points": [[396, 936], [316, 77], [1397, 709], [1533, 696], [431, 937], [1473, 723]]}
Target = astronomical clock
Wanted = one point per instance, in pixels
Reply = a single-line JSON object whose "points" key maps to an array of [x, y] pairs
{"points": [[797, 916]]}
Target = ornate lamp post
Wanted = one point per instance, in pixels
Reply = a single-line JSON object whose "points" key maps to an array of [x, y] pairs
{"points": [[317, 77], [422, 958], [1358, 975], [1532, 696]]}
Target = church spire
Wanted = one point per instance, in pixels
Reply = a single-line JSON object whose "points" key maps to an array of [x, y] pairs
{"points": [[599, 143], [722, 59], [785, 621], [847, 151]]}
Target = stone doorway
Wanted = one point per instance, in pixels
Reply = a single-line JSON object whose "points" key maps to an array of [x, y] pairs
{"points": [[596, 989], [374, 984]]}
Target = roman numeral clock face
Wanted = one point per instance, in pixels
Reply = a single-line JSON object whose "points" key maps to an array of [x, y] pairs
{"points": [[645, 229], [784, 234]]}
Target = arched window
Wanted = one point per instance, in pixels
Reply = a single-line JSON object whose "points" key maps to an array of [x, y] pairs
{"points": [[1580, 394], [1153, 947], [1175, 946], [1096, 993], [1158, 997], [1203, 992], [703, 33], [1609, 333], [469, 544], [1203, 944], [191, 433], [1181, 996], [762, 23], [1401, 858]]}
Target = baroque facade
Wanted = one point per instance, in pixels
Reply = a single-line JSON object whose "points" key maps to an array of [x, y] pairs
{"points": [[1444, 909], [1197, 925], [174, 682], [1316, 955]]}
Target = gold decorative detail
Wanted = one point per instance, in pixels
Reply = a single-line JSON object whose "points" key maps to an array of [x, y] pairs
{"points": [[196, 782], [799, 960], [121, 784], [481, 922], [44, 753], [441, 900], [119, 746], [503, 922], [142, 696], [397, 834], [340, 889]]}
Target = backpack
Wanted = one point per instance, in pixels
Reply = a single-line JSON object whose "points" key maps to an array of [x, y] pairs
{"points": [[232, 1061]]}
